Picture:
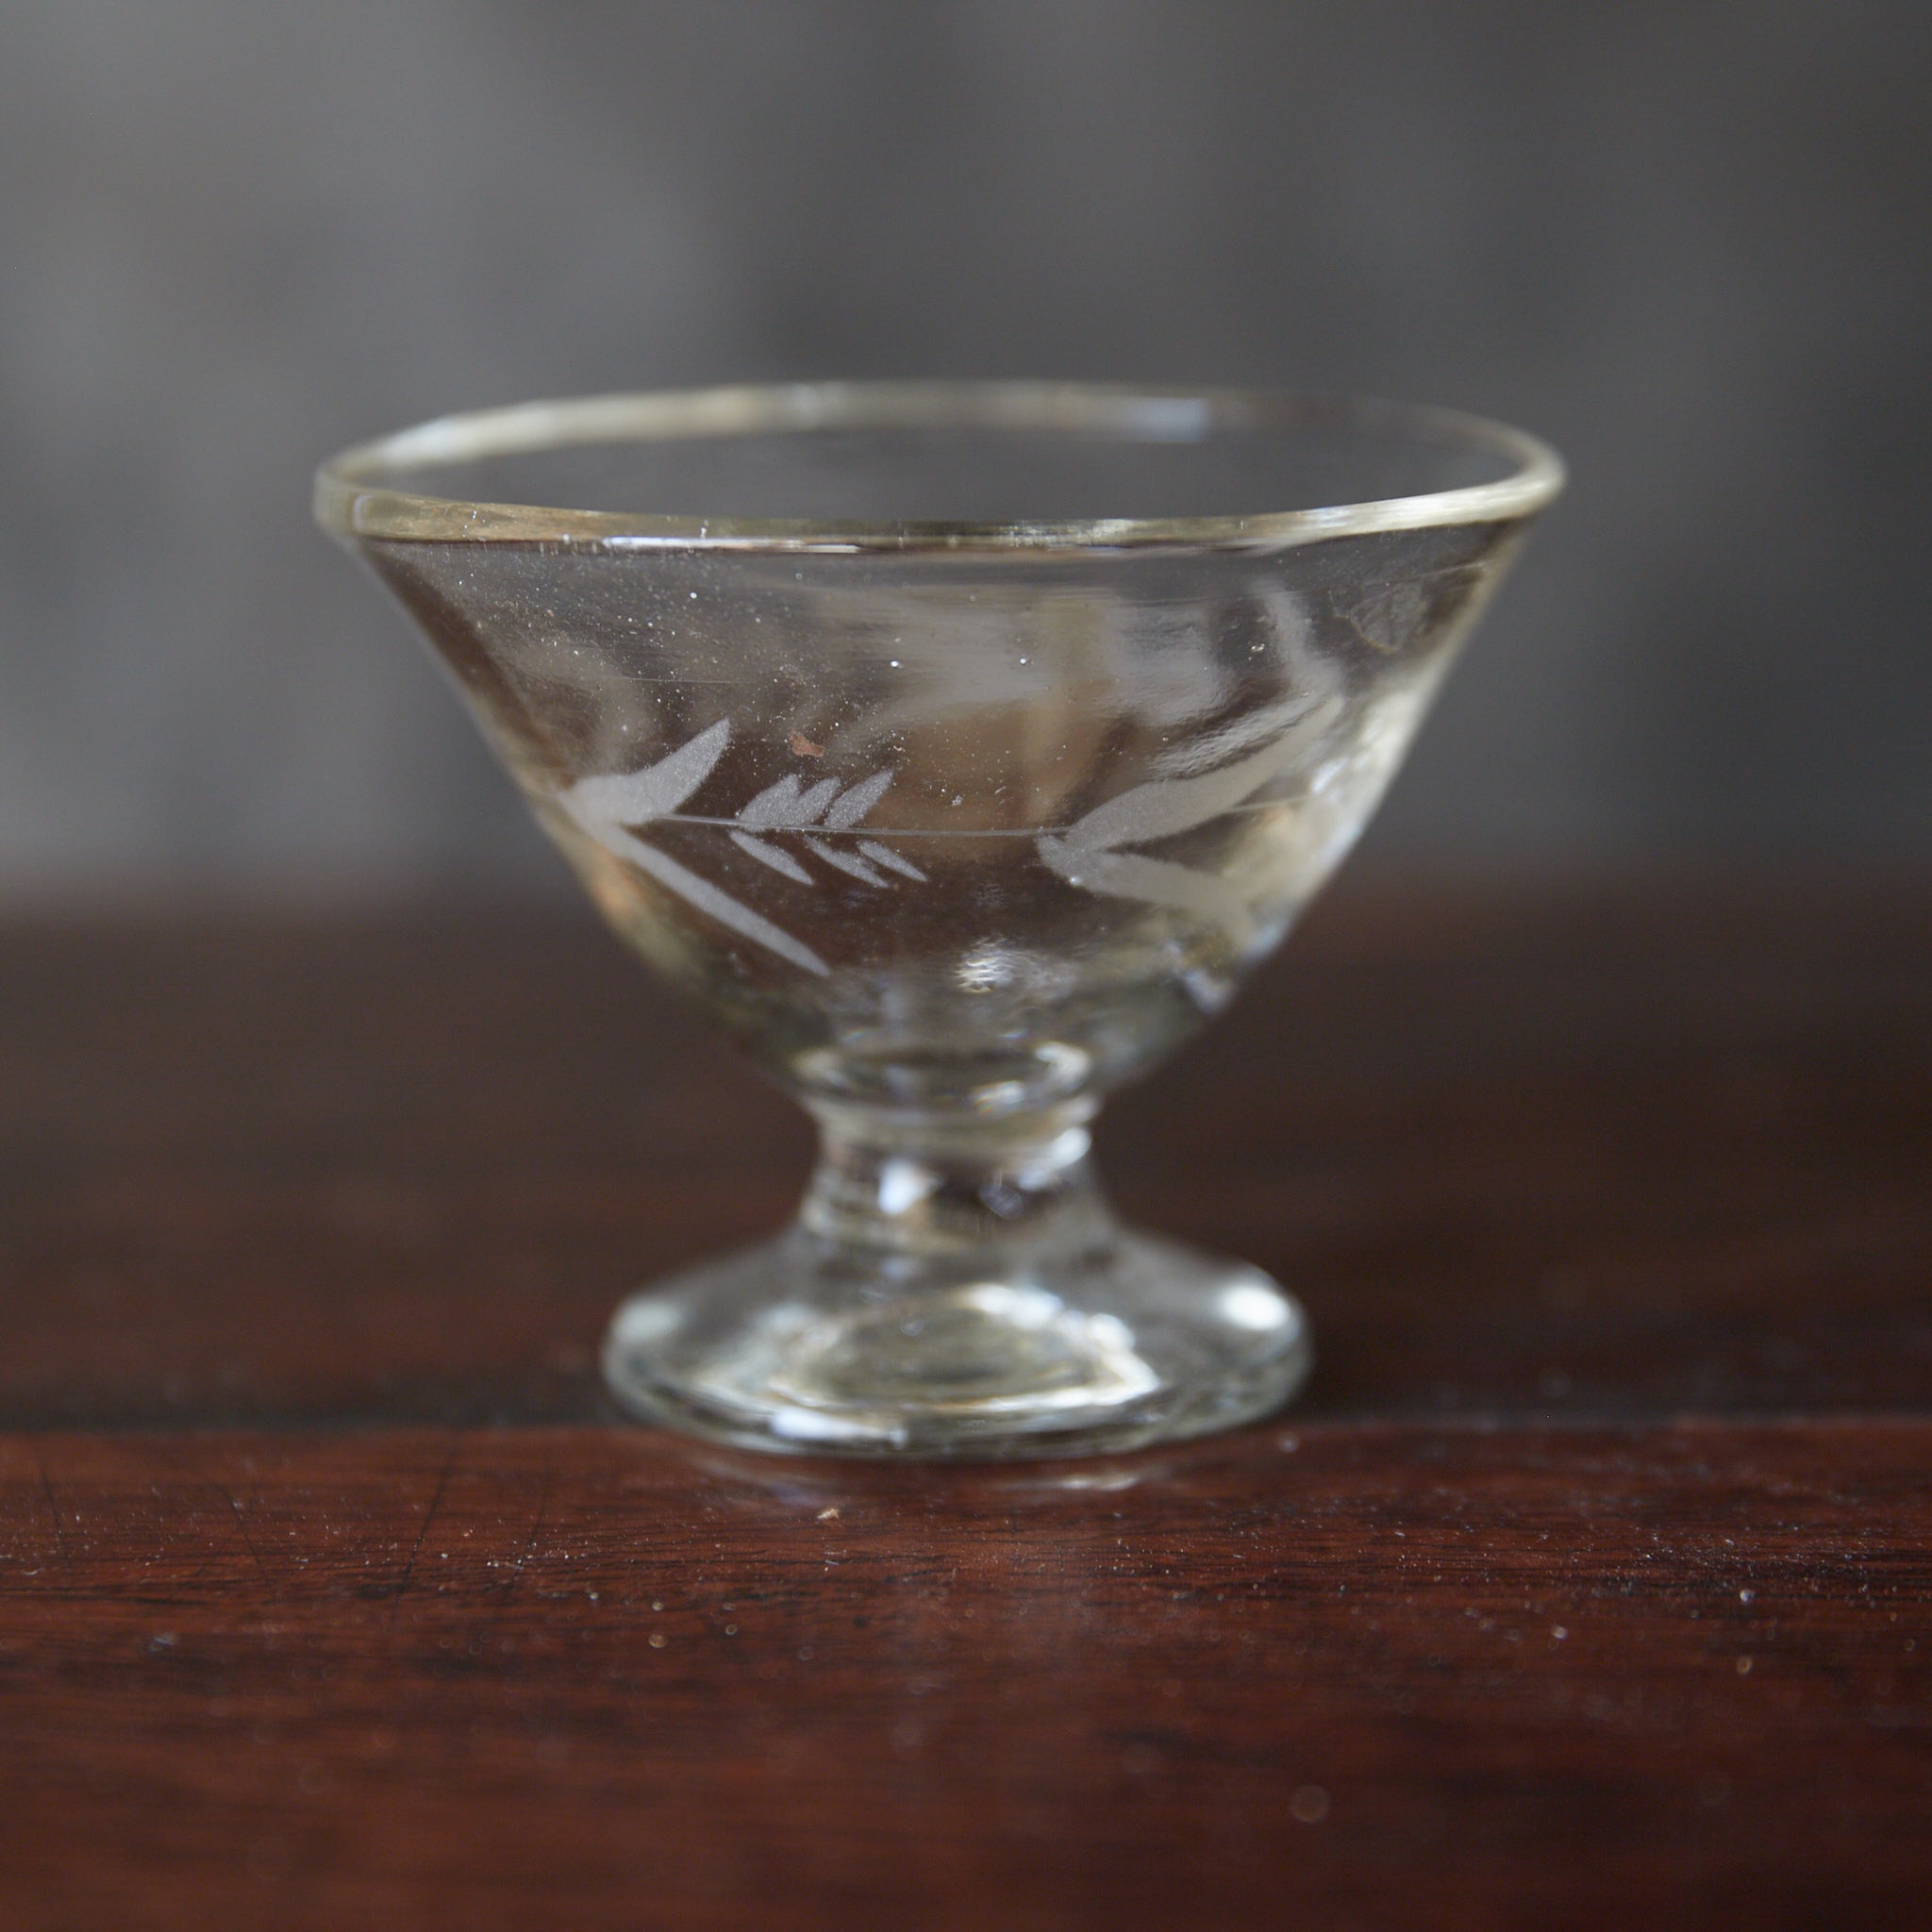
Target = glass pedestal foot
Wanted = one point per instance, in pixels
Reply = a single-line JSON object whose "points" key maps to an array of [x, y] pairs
{"points": [[801, 1345]]}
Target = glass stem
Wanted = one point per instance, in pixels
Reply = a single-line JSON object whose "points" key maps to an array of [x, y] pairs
{"points": [[943, 1189]]}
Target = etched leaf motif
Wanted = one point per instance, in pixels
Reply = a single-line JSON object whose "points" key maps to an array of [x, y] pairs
{"points": [[774, 856], [893, 861], [847, 862], [783, 808], [610, 808], [707, 898], [858, 800], [1168, 805], [1155, 881], [636, 798], [1088, 853], [1197, 754], [787, 808], [606, 807]]}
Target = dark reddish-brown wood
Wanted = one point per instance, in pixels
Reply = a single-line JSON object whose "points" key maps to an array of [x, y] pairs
{"points": [[1591, 1586], [1391, 1674]]}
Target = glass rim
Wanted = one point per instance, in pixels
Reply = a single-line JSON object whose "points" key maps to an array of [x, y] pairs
{"points": [[352, 504]]}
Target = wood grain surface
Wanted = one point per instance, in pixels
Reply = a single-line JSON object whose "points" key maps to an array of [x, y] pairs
{"points": [[1591, 1586]]}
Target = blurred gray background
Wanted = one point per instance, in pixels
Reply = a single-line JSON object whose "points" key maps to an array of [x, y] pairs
{"points": [[1688, 243]]}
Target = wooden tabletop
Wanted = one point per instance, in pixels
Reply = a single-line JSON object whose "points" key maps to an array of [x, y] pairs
{"points": [[1591, 1584]]}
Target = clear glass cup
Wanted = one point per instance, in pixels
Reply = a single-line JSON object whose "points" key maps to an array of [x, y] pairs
{"points": [[956, 749]]}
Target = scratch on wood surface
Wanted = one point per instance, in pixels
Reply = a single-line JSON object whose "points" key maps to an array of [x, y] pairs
{"points": [[428, 1517], [53, 1505], [536, 1525], [248, 1541]]}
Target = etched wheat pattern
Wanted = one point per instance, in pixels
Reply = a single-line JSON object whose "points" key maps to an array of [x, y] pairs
{"points": [[1196, 782], [789, 807], [613, 809], [1200, 781]]}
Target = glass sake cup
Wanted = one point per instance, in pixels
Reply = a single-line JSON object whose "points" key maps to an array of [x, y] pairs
{"points": [[956, 749]]}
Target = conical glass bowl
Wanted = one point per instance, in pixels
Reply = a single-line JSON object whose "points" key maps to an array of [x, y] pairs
{"points": [[956, 749]]}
